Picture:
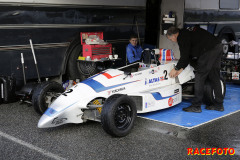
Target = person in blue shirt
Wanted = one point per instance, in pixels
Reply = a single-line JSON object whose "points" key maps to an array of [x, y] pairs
{"points": [[134, 51]]}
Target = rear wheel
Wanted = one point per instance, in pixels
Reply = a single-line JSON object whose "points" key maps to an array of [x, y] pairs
{"points": [[118, 115], [209, 96], [44, 95]]}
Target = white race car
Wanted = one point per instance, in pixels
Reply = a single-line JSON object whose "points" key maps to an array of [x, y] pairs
{"points": [[114, 97]]}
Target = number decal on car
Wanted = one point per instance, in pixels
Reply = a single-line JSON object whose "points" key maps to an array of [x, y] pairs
{"points": [[165, 72], [68, 91]]}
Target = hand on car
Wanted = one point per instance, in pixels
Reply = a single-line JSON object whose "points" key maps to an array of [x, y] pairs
{"points": [[174, 73]]}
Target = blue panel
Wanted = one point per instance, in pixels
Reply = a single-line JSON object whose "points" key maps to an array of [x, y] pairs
{"points": [[175, 115]]}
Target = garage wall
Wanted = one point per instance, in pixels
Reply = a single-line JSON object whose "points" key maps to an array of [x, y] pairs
{"points": [[177, 6]]}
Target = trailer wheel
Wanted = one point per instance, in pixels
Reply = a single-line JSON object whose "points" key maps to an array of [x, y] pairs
{"points": [[44, 94], [209, 95], [87, 69], [82, 69], [118, 115], [72, 65]]}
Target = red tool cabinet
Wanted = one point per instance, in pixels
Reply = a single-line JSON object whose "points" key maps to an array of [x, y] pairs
{"points": [[95, 51]]}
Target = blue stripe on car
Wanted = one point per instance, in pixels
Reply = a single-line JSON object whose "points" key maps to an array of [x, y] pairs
{"points": [[50, 112], [158, 96], [98, 87]]}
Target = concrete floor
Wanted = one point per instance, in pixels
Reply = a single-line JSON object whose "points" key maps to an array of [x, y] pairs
{"points": [[21, 139]]}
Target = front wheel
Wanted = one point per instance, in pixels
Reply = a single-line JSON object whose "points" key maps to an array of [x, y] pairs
{"points": [[44, 95], [118, 115]]}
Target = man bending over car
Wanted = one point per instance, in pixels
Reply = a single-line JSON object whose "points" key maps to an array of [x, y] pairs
{"points": [[203, 51]]}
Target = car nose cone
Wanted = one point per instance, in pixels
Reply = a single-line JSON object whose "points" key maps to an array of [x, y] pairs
{"points": [[45, 121]]}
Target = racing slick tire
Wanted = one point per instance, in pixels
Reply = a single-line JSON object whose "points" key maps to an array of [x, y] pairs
{"points": [[44, 94], [209, 97], [118, 115]]}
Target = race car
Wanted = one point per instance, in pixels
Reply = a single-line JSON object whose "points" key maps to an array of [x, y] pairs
{"points": [[115, 96]]}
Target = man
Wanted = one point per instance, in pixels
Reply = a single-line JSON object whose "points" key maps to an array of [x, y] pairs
{"points": [[203, 51], [134, 51]]}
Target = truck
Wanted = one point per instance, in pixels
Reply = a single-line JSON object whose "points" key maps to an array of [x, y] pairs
{"points": [[40, 42]]}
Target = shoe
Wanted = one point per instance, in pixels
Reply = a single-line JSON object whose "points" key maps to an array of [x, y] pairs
{"points": [[216, 108], [196, 109]]}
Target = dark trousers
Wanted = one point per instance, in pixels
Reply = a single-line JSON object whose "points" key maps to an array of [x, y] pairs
{"points": [[208, 67]]}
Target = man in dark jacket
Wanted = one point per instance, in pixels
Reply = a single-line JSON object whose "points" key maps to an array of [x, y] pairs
{"points": [[203, 51]]}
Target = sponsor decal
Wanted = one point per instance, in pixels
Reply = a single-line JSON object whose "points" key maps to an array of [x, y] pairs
{"points": [[152, 71], [235, 75], [210, 151], [176, 91], [57, 120], [146, 81], [136, 74], [157, 79], [146, 105], [116, 90], [170, 101]]}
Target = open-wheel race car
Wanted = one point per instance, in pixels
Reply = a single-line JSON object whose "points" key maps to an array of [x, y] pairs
{"points": [[114, 97]]}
